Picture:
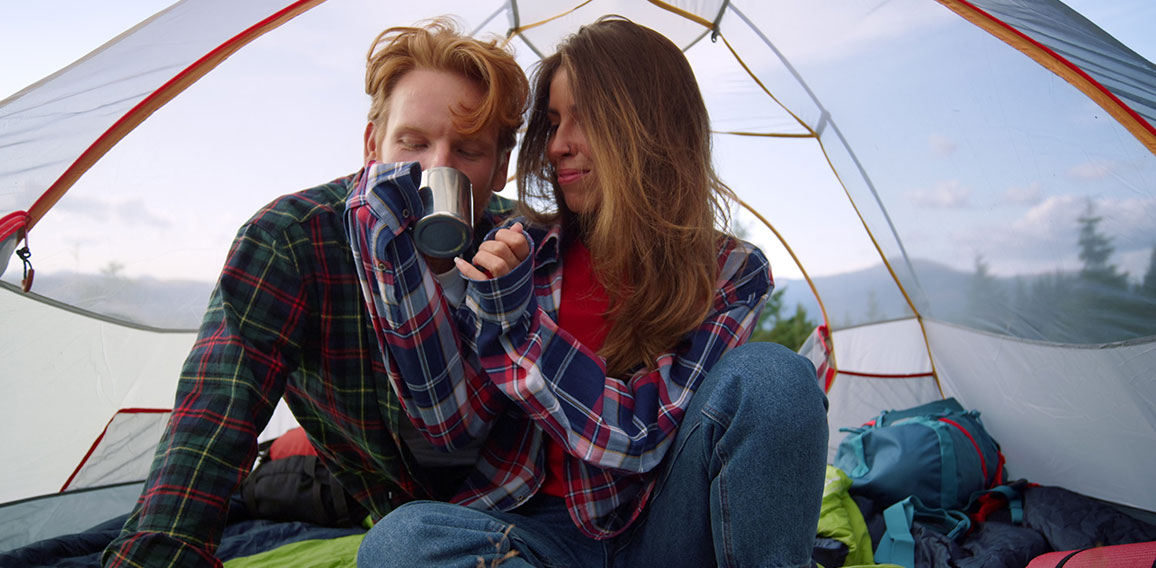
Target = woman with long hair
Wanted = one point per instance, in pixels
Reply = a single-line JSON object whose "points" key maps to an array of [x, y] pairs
{"points": [[630, 425]]}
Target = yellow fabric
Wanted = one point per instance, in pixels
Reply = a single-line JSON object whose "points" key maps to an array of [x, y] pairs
{"points": [[840, 519], [332, 553]]}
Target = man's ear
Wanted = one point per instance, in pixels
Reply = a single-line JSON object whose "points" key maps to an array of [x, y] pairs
{"points": [[369, 151], [501, 171]]}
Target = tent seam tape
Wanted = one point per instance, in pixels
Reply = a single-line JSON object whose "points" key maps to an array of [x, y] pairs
{"points": [[884, 375]]}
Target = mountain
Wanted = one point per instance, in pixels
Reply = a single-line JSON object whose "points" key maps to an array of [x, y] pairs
{"points": [[870, 294], [1074, 309], [166, 304]]}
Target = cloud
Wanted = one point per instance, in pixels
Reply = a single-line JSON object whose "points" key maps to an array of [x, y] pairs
{"points": [[946, 195], [94, 209], [130, 213], [1131, 223], [941, 146], [1057, 219], [1050, 219], [1093, 170], [135, 212], [1022, 195], [1045, 237]]}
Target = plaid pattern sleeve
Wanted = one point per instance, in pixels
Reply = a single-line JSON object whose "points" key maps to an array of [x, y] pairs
{"points": [[437, 378], [616, 425], [229, 385]]}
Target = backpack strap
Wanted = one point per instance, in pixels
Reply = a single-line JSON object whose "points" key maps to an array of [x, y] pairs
{"points": [[1015, 503], [898, 546], [948, 482], [324, 496]]}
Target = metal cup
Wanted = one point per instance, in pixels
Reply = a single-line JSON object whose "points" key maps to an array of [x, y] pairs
{"points": [[447, 228]]}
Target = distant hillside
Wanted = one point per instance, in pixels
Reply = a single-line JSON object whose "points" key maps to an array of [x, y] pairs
{"points": [[169, 304], [1064, 307], [179, 304], [1054, 306], [870, 294]]}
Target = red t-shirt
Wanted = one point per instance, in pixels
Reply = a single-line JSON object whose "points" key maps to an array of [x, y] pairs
{"points": [[581, 313]]}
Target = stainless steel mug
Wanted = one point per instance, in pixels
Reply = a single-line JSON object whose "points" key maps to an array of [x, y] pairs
{"points": [[447, 228]]}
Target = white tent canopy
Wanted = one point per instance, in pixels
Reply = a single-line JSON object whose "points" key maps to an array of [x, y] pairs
{"points": [[969, 188]]}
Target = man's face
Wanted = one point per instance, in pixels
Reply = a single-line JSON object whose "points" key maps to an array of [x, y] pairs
{"points": [[419, 127]]}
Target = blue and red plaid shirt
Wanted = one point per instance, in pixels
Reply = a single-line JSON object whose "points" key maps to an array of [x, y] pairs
{"points": [[499, 366], [286, 319]]}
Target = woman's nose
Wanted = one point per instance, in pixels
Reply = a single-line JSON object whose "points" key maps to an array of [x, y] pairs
{"points": [[559, 143]]}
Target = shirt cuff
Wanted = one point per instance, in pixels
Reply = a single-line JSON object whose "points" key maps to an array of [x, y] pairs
{"points": [[391, 192], [504, 299]]}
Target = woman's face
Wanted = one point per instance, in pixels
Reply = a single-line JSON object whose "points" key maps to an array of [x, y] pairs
{"points": [[567, 149]]}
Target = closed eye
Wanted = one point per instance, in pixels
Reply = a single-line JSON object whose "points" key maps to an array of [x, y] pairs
{"points": [[412, 143]]}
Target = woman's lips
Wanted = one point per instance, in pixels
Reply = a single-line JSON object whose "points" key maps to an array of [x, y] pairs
{"points": [[569, 176]]}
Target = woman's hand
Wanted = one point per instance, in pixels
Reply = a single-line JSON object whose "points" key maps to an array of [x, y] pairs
{"points": [[498, 256]]}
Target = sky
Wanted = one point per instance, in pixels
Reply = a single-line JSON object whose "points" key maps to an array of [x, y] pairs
{"points": [[37, 38]]}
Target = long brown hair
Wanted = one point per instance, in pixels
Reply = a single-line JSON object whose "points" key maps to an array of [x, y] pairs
{"points": [[441, 47], [653, 235]]}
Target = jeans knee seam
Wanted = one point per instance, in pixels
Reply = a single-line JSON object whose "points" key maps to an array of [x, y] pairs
{"points": [[724, 511], [716, 417]]}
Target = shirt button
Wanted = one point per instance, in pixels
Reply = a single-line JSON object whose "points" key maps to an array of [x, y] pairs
{"points": [[381, 266], [405, 212]]}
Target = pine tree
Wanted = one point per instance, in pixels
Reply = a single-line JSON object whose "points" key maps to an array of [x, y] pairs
{"points": [[986, 303], [874, 314], [773, 327], [1148, 285], [1095, 251]]}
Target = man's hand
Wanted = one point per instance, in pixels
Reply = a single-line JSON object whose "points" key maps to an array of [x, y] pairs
{"points": [[498, 256]]}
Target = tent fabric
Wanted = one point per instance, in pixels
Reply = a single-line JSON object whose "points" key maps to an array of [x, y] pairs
{"points": [[124, 450], [1111, 63], [82, 392], [968, 185], [66, 374], [1009, 379], [105, 87]]}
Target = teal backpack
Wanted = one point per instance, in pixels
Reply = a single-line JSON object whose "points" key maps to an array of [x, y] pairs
{"points": [[925, 465], [937, 452]]}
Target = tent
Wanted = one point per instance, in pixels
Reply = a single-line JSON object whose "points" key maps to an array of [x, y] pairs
{"points": [[964, 193]]}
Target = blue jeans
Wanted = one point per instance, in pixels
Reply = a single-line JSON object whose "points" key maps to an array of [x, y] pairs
{"points": [[741, 486]]}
